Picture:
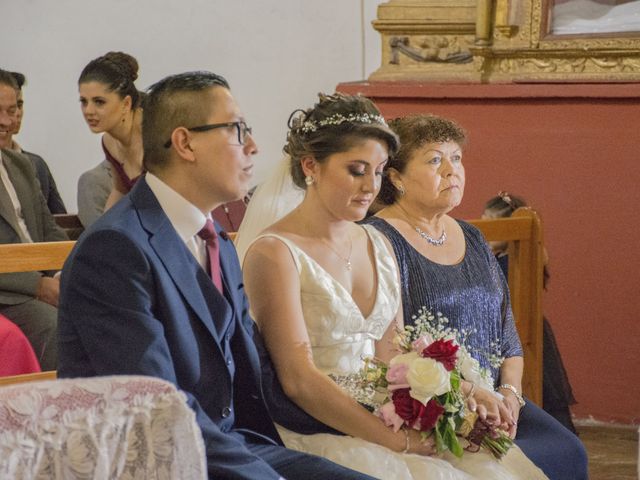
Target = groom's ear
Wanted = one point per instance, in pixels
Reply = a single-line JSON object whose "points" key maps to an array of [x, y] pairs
{"points": [[180, 141]]}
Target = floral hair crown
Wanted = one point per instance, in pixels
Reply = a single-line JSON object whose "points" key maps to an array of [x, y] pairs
{"points": [[338, 119]]}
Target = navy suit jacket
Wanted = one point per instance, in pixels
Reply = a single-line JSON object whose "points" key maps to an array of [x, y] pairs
{"points": [[134, 300]]}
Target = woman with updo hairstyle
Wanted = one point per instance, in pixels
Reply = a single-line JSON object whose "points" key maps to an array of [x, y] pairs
{"points": [[447, 268], [112, 105], [324, 293]]}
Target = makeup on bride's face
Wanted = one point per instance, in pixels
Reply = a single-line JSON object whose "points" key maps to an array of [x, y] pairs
{"points": [[352, 179]]}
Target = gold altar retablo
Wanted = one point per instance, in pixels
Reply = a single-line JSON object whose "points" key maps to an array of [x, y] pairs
{"points": [[498, 41]]}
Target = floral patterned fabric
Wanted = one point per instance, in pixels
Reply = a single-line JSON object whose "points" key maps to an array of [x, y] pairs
{"points": [[119, 427]]}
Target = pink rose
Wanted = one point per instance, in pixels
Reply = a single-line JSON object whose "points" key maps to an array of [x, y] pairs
{"points": [[389, 416], [397, 376], [421, 343]]}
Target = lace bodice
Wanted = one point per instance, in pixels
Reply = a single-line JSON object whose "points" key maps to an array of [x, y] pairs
{"points": [[340, 335]]}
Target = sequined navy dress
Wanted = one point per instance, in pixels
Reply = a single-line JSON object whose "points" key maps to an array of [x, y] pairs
{"points": [[465, 292], [473, 294]]}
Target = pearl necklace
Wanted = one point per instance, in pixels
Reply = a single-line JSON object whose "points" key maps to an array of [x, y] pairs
{"points": [[435, 242], [347, 261]]}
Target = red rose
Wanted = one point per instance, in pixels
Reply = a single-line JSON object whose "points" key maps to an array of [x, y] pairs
{"points": [[444, 352], [411, 410], [430, 414], [404, 405]]}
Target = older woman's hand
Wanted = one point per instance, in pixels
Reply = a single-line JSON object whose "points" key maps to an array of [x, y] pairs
{"points": [[491, 408], [511, 402]]}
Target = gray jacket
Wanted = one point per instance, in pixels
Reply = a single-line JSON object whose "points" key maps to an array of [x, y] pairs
{"points": [[94, 187], [16, 288]]}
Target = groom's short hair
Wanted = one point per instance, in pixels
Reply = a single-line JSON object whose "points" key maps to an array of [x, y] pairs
{"points": [[175, 101]]}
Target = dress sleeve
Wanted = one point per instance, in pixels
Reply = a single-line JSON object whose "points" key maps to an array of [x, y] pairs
{"points": [[511, 346]]}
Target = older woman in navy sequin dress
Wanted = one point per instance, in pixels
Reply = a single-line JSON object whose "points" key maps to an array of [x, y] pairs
{"points": [[446, 266]]}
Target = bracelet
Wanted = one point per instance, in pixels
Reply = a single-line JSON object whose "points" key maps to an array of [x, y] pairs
{"points": [[471, 392], [513, 390], [407, 441]]}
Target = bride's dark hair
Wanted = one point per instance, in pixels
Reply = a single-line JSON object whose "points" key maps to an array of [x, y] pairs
{"points": [[335, 124]]}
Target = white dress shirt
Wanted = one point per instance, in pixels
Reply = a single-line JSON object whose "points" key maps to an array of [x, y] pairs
{"points": [[185, 217], [11, 191]]}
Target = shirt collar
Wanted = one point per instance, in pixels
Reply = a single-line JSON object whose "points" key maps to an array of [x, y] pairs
{"points": [[15, 146], [185, 217]]}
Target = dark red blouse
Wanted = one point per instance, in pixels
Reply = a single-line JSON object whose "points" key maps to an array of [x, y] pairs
{"points": [[119, 169]]}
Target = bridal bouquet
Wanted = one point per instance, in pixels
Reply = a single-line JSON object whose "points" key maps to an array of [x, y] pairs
{"points": [[422, 386]]}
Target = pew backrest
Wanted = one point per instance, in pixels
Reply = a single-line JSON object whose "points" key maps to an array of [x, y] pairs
{"points": [[70, 223], [32, 257]]}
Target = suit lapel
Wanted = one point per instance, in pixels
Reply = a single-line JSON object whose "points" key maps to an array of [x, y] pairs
{"points": [[6, 210], [183, 269], [18, 175]]}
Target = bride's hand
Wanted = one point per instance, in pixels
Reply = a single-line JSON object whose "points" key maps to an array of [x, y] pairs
{"points": [[419, 446]]}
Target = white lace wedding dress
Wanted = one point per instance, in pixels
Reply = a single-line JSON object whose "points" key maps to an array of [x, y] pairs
{"points": [[340, 337]]}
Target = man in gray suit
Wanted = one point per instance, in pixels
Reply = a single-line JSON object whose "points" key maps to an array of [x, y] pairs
{"points": [[29, 299], [47, 183]]}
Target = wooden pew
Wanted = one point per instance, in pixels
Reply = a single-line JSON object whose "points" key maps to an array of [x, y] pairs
{"points": [[33, 257], [523, 231], [30, 257], [28, 377], [70, 223]]}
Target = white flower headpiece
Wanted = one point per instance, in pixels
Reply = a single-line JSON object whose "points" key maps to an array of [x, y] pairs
{"points": [[338, 118]]}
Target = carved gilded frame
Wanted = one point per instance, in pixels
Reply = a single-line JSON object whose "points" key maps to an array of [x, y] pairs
{"points": [[495, 41]]}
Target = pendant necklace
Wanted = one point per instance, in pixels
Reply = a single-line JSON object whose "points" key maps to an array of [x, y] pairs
{"points": [[347, 260], [437, 242]]}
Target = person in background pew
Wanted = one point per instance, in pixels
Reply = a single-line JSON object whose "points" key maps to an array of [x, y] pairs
{"points": [[16, 354], [47, 183], [447, 266], [29, 299], [230, 215], [112, 105], [154, 287], [557, 393]]}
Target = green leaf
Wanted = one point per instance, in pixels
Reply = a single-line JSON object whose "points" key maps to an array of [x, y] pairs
{"points": [[440, 445]]}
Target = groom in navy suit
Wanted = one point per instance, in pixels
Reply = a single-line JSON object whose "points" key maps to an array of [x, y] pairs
{"points": [[137, 296]]}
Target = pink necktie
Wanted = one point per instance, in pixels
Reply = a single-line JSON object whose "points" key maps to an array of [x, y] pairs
{"points": [[209, 235]]}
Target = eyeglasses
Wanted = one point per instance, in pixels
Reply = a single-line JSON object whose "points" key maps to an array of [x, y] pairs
{"points": [[241, 127]]}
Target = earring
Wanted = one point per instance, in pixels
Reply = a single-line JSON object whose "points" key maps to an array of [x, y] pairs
{"points": [[309, 180], [400, 189]]}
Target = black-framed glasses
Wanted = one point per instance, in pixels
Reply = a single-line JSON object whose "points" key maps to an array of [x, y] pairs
{"points": [[241, 127]]}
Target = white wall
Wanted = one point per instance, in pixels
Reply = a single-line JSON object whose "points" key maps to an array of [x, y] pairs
{"points": [[276, 54]]}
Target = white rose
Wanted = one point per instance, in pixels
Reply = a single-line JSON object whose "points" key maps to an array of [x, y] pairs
{"points": [[471, 370], [406, 358], [427, 378]]}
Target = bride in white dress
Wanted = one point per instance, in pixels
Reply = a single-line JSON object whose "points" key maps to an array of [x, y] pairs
{"points": [[325, 293]]}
